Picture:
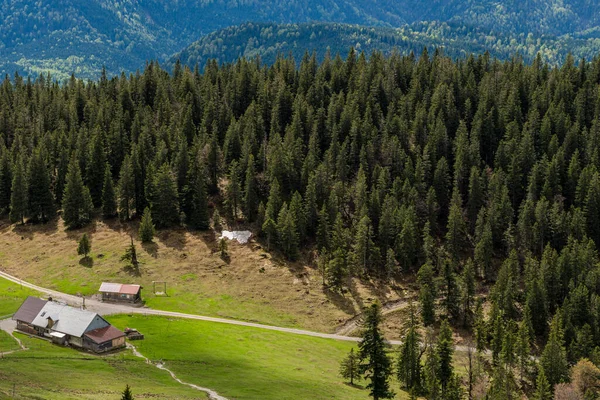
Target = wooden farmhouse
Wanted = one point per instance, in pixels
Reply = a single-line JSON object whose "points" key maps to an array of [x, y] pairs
{"points": [[68, 325], [118, 292]]}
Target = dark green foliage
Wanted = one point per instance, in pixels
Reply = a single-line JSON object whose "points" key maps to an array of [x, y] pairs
{"points": [[445, 352], [554, 358], [164, 203], [18, 197], [84, 246], [127, 395], [126, 190], [40, 200], [131, 256], [375, 364], [349, 367], [6, 176], [196, 200], [409, 370], [146, 230], [109, 200], [77, 202]]}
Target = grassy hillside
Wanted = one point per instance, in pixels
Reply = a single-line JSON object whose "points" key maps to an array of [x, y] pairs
{"points": [[47, 371], [246, 363], [253, 286]]}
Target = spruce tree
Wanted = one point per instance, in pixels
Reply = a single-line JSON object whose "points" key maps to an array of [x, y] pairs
{"points": [[84, 246], [251, 196], [409, 370], [165, 205], [77, 202], [445, 352], [6, 176], [95, 169], [146, 230], [457, 227], [349, 367], [196, 200], [127, 395], [109, 203], [18, 197], [126, 190], [554, 357], [287, 233], [543, 389], [375, 364], [233, 193], [40, 200]]}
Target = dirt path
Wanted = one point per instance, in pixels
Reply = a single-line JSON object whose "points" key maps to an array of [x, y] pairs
{"points": [[9, 326], [352, 324], [212, 395], [108, 309]]}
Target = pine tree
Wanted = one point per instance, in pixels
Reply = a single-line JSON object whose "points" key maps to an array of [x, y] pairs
{"points": [[375, 364], [84, 246], [127, 395], [77, 201], [554, 357], [427, 294], [543, 389], [287, 233], [457, 227], [165, 205], [233, 193], [451, 299], [40, 201], [363, 248], [409, 370], [445, 351], [95, 169], [6, 177], [251, 197], [109, 203], [146, 230], [131, 256], [126, 190], [196, 200], [349, 367], [467, 293], [18, 197]]}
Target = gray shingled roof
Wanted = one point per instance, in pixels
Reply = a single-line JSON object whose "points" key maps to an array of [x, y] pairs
{"points": [[30, 308], [69, 320]]}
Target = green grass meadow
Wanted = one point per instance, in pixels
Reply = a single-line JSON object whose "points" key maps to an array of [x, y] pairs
{"points": [[247, 363]]}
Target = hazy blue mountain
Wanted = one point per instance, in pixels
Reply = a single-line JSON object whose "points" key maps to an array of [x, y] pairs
{"points": [[267, 41], [65, 36]]}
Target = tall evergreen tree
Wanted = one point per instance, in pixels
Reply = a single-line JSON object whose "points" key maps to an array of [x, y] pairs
{"points": [[146, 230], [6, 176], [165, 204], [77, 201], [375, 364], [196, 199], [109, 200], [126, 190], [18, 197], [40, 200]]}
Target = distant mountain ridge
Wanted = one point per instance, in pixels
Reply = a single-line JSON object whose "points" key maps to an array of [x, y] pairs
{"points": [[64, 36], [267, 41]]}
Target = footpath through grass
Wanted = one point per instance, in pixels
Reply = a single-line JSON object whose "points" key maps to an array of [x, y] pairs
{"points": [[47, 371], [246, 363]]}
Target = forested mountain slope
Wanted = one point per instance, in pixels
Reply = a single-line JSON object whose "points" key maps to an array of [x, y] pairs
{"points": [[463, 173], [72, 36], [267, 41]]}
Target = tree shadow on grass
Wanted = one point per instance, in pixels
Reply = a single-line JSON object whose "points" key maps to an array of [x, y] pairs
{"points": [[151, 248], [173, 237], [133, 271], [87, 262], [340, 301], [354, 385]]}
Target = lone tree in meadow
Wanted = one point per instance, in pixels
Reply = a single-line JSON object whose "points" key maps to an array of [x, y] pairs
{"points": [[349, 367], [84, 247], [131, 256], [127, 395], [147, 231]]}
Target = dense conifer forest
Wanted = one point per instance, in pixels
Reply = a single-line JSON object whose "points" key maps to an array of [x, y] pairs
{"points": [[468, 174]]}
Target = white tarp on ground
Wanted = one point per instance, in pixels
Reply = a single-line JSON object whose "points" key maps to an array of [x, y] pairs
{"points": [[241, 236]]}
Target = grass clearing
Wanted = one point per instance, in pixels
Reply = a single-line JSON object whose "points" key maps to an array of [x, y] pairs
{"points": [[11, 297], [253, 286], [47, 371], [247, 363], [7, 343]]}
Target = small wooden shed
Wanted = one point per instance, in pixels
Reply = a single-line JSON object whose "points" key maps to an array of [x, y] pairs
{"points": [[117, 292]]}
